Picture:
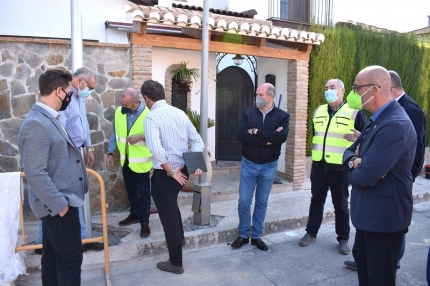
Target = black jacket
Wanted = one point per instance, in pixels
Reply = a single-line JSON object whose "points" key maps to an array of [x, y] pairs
{"points": [[418, 119], [255, 148]]}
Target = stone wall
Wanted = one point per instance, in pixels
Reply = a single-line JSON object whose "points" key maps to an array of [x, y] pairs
{"points": [[23, 60]]}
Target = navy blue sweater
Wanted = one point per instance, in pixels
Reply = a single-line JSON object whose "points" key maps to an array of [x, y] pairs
{"points": [[255, 148]]}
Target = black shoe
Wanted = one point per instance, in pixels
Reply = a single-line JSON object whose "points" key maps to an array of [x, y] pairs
{"points": [[38, 251], [168, 267], [351, 265], [129, 220], [259, 243], [96, 246], [239, 242]]}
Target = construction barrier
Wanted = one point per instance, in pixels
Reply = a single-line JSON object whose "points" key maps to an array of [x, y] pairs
{"points": [[103, 238]]}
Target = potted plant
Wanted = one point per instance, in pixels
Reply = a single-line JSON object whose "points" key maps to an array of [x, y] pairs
{"points": [[184, 74], [194, 117]]}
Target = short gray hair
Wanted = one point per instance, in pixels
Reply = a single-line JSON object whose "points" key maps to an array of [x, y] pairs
{"points": [[85, 72], [271, 89], [340, 83]]}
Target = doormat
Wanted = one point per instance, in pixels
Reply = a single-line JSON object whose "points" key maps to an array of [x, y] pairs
{"points": [[190, 226]]}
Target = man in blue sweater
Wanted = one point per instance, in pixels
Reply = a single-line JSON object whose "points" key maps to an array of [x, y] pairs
{"points": [[262, 130]]}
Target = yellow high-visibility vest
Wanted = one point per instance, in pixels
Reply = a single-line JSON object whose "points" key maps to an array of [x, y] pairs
{"points": [[139, 156], [328, 138]]}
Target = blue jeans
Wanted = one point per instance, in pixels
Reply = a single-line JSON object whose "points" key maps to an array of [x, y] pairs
{"points": [[138, 189], [84, 233], [62, 249], [251, 175]]}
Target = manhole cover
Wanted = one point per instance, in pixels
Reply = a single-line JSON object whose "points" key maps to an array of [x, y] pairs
{"points": [[190, 226]]}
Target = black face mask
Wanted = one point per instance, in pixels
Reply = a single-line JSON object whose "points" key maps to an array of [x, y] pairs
{"points": [[65, 101], [125, 110]]}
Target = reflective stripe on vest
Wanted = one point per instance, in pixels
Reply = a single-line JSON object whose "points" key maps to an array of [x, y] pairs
{"points": [[139, 156], [124, 141], [328, 138]]}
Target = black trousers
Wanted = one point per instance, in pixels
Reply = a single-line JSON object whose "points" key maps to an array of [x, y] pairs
{"points": [[164, 191], [376, 255], [62, 249], [321, 181]]}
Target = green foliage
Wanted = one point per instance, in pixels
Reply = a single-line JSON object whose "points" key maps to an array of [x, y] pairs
{"points": [[195, 119], [185, 73], [346, 51]]}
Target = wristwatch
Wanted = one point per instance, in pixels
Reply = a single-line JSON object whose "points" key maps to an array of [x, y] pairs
{"points": [[110, 153], [351, 162], [90, 149], [171, 174]]}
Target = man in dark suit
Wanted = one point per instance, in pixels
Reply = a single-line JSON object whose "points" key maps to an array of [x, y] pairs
{"points": [[57, 180], [381, 161], [418, 119]]}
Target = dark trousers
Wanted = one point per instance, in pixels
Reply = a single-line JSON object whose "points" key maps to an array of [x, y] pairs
{"points": [[62, 249], [138, 190], [321, 181], [376, 255], [164, 190]]}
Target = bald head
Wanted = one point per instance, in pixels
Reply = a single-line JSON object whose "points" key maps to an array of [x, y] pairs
{"points": [[130, 92], [129, 98], [375, 81], [268, 88]]}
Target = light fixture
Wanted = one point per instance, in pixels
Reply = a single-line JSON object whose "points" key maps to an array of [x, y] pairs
{"points": [[238, 60]]}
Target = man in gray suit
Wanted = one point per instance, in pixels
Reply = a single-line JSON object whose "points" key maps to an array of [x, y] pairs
{"points": [[57, 180]]}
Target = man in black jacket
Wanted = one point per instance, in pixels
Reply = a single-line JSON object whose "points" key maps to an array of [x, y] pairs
{"points": [[262, 130]]}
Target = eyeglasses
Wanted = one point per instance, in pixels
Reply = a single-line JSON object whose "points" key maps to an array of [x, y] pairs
{"points": [[87, 84], [356, 87], [68, 94]]}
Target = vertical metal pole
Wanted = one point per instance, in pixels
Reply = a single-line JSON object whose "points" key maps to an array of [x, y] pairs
{"points": [[76, 34], [77, 62], [202, 189]]}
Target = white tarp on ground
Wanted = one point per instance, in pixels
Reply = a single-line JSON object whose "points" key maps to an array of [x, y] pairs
{"points": [[11, 263]]}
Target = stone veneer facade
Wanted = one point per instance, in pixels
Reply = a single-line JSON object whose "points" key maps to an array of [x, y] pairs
{"points": [[23, 60]]}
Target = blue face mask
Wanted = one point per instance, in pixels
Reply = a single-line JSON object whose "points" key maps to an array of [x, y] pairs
{"points": [[85, 93], [331, 95]]}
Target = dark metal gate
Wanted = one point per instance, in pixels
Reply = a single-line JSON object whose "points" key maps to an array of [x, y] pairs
{"points": [[235, 92]]}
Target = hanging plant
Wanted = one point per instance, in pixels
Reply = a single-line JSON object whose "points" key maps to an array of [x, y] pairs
{"points": [[184, 74]]}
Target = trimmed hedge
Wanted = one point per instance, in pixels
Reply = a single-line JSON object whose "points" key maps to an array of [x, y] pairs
{"points": [[346, 51]]}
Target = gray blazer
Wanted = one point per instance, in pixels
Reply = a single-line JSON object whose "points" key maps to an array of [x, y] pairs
{"points": [[53, 166]]}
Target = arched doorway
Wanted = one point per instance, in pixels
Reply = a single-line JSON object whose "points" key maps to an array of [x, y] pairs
{"points": [[235, 92]]}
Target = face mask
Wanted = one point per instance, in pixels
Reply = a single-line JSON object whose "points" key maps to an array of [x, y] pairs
{"points": [[65, 102], [85, 93], [331, 95], [125, 110], [260, 102], [354, 99]]}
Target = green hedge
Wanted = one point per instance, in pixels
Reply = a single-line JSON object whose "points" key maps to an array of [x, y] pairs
{"points": [[346, 51]]}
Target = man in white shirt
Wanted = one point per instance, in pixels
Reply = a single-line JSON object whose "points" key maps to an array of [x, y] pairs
{"points": [[168, 134]]}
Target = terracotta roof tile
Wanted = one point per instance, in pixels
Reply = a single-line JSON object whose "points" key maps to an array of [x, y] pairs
{"points": [[193, 18]]}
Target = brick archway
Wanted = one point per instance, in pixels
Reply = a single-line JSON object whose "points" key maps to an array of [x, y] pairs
{"points": [[168, 86]]}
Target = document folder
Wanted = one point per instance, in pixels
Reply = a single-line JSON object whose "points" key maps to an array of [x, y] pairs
{"points": [[194, 161]]}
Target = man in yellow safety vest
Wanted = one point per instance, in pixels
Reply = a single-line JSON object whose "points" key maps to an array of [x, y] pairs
{"points": [[128, 136], [332, 123]]}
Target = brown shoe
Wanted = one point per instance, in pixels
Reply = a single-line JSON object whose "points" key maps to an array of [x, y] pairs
{"points": [[129, 220], [144, 231]]}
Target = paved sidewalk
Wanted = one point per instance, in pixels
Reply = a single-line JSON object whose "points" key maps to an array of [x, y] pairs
{"points": [[287, 210]]}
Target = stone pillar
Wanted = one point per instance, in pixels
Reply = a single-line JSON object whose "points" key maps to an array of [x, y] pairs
{"points": [[141, 64], [297, 102]]}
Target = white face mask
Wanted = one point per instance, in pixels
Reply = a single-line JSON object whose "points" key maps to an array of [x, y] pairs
{"points": [[260, 102]]}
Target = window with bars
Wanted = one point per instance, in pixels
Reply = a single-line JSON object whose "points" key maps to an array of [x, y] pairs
{"points": [[179, 94]]}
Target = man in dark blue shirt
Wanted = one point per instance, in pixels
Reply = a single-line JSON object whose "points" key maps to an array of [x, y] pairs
{"points": [[262, 130]]}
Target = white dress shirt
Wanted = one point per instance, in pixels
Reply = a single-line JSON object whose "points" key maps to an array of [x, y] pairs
{"points": [[168, 131]]}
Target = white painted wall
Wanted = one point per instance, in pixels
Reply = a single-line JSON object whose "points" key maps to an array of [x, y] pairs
{"points": [[51, 18], [163, 58], [279, 68]]}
